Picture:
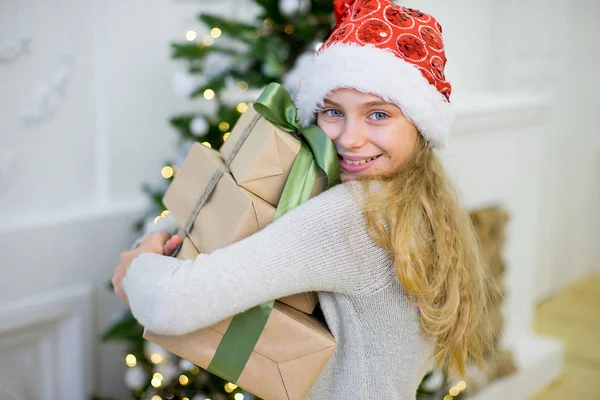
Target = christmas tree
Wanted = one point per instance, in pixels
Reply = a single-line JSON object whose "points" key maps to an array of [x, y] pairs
{"points": [[229, 67]]}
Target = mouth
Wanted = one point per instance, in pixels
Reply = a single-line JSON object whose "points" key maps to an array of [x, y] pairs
{"points": [[356, 164]]}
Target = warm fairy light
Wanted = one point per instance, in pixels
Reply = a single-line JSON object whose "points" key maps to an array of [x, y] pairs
{"points": [[208, 40], [130, 360], [209, 94], [223, 126], [157, 375], [207, 145], [155, 221], [164, 213], [156, 397], [239, 396], [268, 22], [185, 398], [169, 396], [454, 391], [183, 380], [447, 397], [289, 29], [462, 385], [156, 383], [230, 387], [190, 35], [156, 358], [242, 85], [215, 32], [242, 107], [226, 136], [167, 171], [318, 46]]}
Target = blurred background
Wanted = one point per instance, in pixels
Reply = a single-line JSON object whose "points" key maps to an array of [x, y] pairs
{"points": [[100, 101]]}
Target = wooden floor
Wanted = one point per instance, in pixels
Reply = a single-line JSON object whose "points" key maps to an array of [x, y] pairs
{"points": [[574, 316]]}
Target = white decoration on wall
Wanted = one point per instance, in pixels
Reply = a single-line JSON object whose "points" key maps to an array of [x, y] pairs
{"points": [[49, 94], [12, 48]]}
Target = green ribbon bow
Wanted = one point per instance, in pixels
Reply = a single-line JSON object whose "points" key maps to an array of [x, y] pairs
{"points": [[316, 151]]}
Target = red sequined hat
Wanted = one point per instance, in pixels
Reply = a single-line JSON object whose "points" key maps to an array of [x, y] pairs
{"points": [[388, 50]]}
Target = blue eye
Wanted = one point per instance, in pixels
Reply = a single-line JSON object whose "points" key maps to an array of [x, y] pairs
{"points": [[332, 112], [379, 116]]}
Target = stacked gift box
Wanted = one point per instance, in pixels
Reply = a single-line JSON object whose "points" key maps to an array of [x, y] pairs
{"points": [[221, 197]]}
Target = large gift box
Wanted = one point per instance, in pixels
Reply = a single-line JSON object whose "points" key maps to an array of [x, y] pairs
{"points": [[285, 362]]}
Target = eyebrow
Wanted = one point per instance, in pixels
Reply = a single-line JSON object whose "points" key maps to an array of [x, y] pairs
{"points": [[376, 103]]}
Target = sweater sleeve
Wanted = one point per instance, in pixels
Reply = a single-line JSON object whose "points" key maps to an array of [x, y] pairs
{"points": [[322, 245]]}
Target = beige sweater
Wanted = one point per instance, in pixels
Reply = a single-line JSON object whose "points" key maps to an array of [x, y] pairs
{"points": [[322, 246]]}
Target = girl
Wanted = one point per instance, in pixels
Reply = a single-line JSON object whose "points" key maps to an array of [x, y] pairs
{"points": [[394, 259]]}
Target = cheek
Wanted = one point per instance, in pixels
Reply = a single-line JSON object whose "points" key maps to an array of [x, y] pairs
{"points": [[330, 129]]}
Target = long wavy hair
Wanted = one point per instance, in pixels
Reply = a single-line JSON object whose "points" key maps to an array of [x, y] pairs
{"points": [[416, 217]]}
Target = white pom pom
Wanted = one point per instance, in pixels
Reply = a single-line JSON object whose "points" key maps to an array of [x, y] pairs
{"points": [[291, 8], [135, 377], [199, 126], [186, 365]]}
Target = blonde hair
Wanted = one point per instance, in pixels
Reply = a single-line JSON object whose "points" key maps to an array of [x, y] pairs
{"points": [[416, 217]]}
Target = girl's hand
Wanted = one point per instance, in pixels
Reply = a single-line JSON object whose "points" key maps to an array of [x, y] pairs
{"points": [[156, 242]]}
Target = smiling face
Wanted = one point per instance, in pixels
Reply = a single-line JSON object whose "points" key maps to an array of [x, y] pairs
{"points": [[372, 137]]}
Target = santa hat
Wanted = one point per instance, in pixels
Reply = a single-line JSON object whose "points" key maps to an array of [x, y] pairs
{"points": [[382, 48]]}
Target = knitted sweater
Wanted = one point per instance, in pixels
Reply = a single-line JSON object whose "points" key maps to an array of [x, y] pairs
{"points": [[321, 246]]}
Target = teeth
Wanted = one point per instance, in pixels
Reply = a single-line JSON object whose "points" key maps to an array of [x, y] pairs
{"points": [[358, 162]]}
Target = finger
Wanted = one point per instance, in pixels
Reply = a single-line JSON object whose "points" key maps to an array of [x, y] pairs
{"points": [[172, 244]]}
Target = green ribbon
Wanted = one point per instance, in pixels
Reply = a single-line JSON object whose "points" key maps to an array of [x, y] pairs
{"points": [[316, 151]]}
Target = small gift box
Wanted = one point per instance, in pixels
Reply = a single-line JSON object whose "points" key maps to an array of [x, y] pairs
{"points": [[284, 363]]}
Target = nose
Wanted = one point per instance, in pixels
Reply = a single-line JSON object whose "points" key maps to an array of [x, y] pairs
{"points": [[352, 136]]}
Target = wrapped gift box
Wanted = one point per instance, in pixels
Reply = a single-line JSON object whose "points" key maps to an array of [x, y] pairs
{"points": [[287, 359]]}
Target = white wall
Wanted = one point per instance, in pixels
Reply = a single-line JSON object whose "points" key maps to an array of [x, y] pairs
{"points": [[70, 181]]}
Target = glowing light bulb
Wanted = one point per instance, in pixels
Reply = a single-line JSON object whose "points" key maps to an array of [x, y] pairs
{"points": [[208, 40], [215, 32], [207, 145], [223, 126], [130, 360], [190, 35], [289, 29], [156, 383], [158, 376], [462, 385], [242, 107], [156, 397], [318, 46], [167, 171], [183, 380], [156, 358], [239, 396], [243, 86], [226, 136], [165, 213], [209, 94], [454, 391]]}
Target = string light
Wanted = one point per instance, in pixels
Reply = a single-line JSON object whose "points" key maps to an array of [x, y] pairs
{"points": [[239, 396], [208, 40], [243, 86], [223, 126], [157, 375], [156, 383], [289, 29], [156, 358], [268, 22], [215, 32], [156, 397], [190, 35], [226, 136], [207, 145], [230, 387], [454, 391], [462, 385], [447, 397], [183, 380], [184, 398], [130, 360], [242, 107], [155, 221], [167, 171], [209, 94], [165, 213]]}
